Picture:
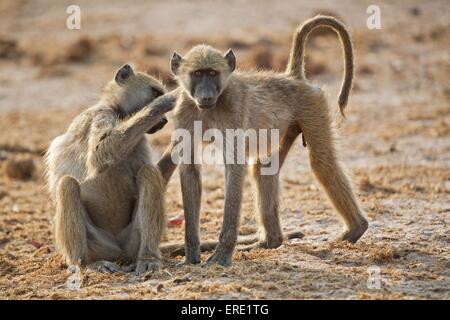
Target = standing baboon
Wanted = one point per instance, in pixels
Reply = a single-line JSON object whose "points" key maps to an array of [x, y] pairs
{"points": [[221, 98], [109, 197]]}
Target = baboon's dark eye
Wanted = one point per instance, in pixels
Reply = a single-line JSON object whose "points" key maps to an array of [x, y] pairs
{"points": [[213, 73], [156, 93], [197, 73]]}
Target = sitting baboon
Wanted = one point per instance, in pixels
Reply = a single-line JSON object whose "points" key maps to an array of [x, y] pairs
{"points": [[223, 99], [109, 197]]}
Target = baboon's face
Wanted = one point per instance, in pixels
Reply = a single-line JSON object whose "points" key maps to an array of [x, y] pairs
{"points": [[204, 87], [136, 90], [203, 73]]}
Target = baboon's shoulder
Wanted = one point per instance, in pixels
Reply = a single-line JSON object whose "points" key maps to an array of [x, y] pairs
{"points": [[97, 115]]}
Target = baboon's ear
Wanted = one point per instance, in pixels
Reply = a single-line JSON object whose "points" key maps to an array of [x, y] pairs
{"points": [[175, 62], [231, 59], [123, 74]]}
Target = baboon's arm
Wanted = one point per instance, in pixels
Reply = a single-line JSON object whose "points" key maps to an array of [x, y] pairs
{"points": [[165, 165], [111, 141]]}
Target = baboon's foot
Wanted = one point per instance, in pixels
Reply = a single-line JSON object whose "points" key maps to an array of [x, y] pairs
{"points": [[355, 232], [221, 257], [263, 244], [190, 258], [272, 243], [147, 266], [105, 266]]}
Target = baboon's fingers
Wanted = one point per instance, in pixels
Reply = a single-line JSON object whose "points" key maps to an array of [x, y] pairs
{"points": [[162, 104]]}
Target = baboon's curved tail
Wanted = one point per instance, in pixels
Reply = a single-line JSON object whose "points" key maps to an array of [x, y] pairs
{"points": [[295, 65]]}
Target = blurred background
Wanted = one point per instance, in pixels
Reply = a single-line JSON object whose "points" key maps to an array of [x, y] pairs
{"points": [[396, 138]]}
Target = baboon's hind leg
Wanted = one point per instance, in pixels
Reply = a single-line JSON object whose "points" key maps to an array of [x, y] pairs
{"points": [[317, 128], [143, 236], [103, 249], [267, 201], [77, 239], [70, 231], [287, 142]]}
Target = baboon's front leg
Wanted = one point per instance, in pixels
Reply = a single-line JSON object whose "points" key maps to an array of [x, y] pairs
{"points": [[191, 189], [70, 230], [148, 225], [234, 176]]}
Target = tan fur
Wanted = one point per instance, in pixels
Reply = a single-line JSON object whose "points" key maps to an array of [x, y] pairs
{"points": [[203, 57], [264, 100], [296, 67], [109, 197]]}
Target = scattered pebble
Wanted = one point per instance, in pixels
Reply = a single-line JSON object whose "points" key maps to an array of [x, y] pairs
{"points": [[20, 169]]}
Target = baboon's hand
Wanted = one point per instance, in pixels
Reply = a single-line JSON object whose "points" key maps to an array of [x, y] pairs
{"points": [[162, 104]]}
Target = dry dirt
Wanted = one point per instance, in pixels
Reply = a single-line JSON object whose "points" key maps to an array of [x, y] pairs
{"points": [[395, 142]]}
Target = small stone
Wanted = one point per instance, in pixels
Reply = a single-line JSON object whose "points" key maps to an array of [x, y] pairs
{"points": [[21, 169]]}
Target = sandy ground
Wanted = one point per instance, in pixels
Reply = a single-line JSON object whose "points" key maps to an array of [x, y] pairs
{"points": [[395, 142]]}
